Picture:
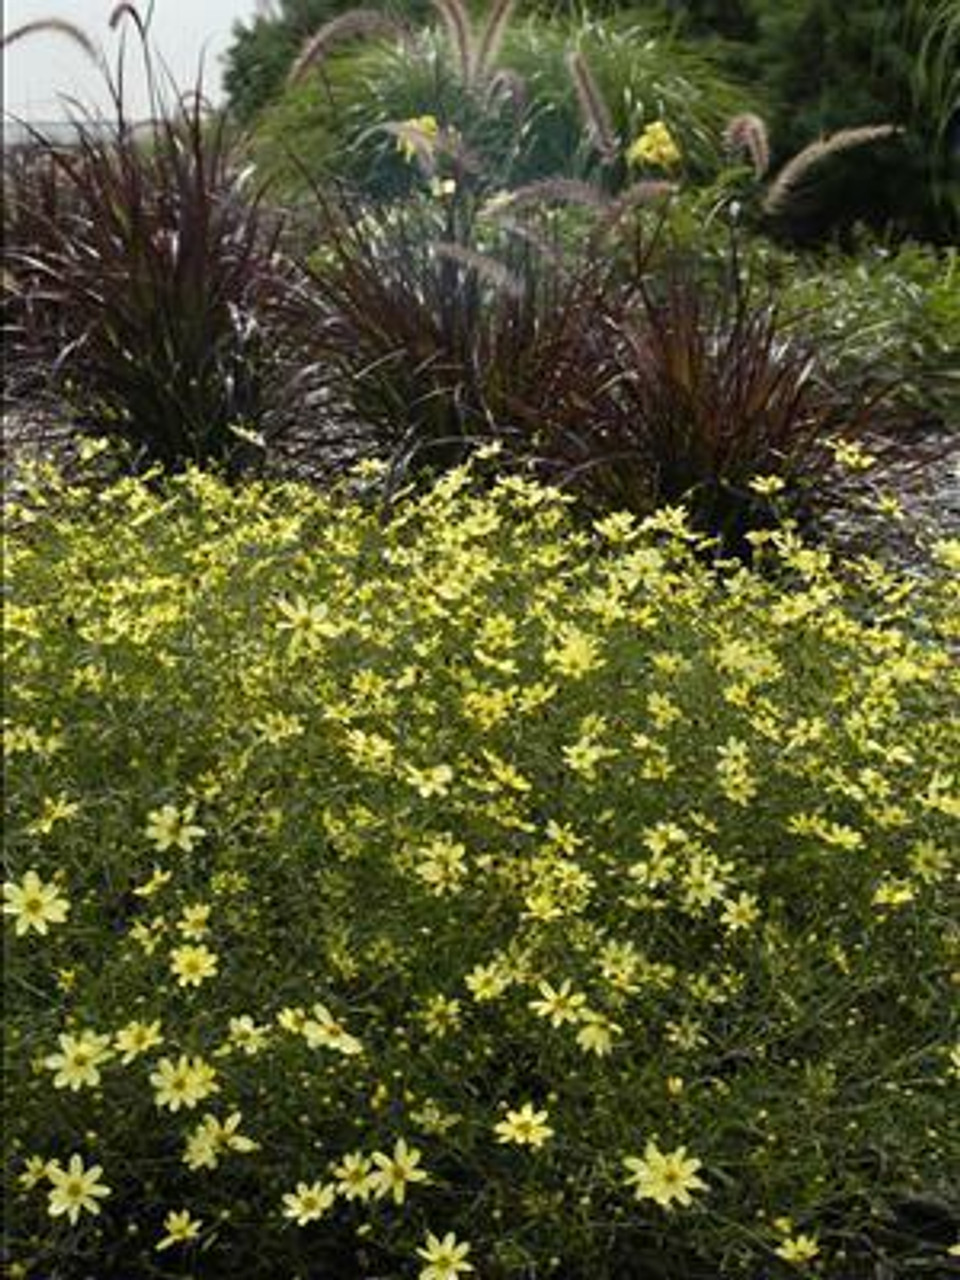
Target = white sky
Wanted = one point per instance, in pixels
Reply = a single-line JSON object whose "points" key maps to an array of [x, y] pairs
{"points": [[39, 67]]}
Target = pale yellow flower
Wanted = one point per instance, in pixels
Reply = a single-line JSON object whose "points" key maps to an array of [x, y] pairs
{"points": [[445, 1259], [353, 1175], [75, 1190], [664, 1177], [798, 1249], [213, 1138], [560, 1005], [192, 965], [180, 1227], [524, 1128], [170, 828], [137, 1038], [36, 905], [308, 1202], [395, 1172], [183, 1083], [78, 1063], [323, 1031]]}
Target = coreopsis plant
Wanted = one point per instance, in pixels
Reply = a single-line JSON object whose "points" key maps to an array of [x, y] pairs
{"points": [[473, 891]]}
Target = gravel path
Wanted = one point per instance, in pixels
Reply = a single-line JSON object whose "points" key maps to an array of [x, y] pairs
{"points": [[927, 487]]}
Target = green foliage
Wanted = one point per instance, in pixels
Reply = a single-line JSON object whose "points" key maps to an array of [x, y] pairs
{"points": [[823, 67], [334, 122], [393, 828], [263, 50], [897, 309], [877, 306]]}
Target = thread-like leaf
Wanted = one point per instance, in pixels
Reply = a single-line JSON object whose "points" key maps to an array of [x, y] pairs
{"points": [[748, 133], [126, 10], [796, 170], [57, 25], [593, 106], [459, 29], [353, 25], [491, 41]]}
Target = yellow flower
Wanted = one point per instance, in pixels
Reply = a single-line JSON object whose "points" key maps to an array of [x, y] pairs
{"points": [[35, 1170], [852, 456], [35, 904], [194, 921], [244, 1034], [75, 1189], [55, 809], [78, 1062], [525, 1128], [393, 1173], [353, 1174], [156, 882], [441, 1015], [292, 1019], [184, 1083], [422, 130], [767, 486], [323, 1031], [664, 1177], [597, 1033], [559, 1006], [798, 1249], [442, 864], [654, 146], [136, 1038], [740, 913], [430, 782], [180, 1229], [446, 1258], [168, 828], [487, 981], [192, 965], [213, 1137], [574, 653], [309, 1202]]}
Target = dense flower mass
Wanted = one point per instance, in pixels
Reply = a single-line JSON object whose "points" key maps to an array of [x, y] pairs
{"points": [[481, 890]]}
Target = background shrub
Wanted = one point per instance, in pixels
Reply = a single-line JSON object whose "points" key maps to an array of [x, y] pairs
{"points": [[333, 121], [264, 49], [425, 774]]}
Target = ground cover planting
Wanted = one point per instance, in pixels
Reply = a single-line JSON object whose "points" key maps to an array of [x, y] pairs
{"points": [[479, 887], [469, 810]]}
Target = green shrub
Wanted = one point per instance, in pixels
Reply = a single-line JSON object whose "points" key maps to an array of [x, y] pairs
{"points": [[333, 122], [473, 846], [892, 308], [264, 49]]}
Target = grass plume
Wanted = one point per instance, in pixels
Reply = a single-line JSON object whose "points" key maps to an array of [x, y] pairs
{"points": [[354, 25], [593, 106], [58, 26], [795, 171], [491, 41], [747, 134], [459, 29]]}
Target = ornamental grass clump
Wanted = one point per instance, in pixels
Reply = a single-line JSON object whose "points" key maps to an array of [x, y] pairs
{"points": [[471, 889], [139, 266]]}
